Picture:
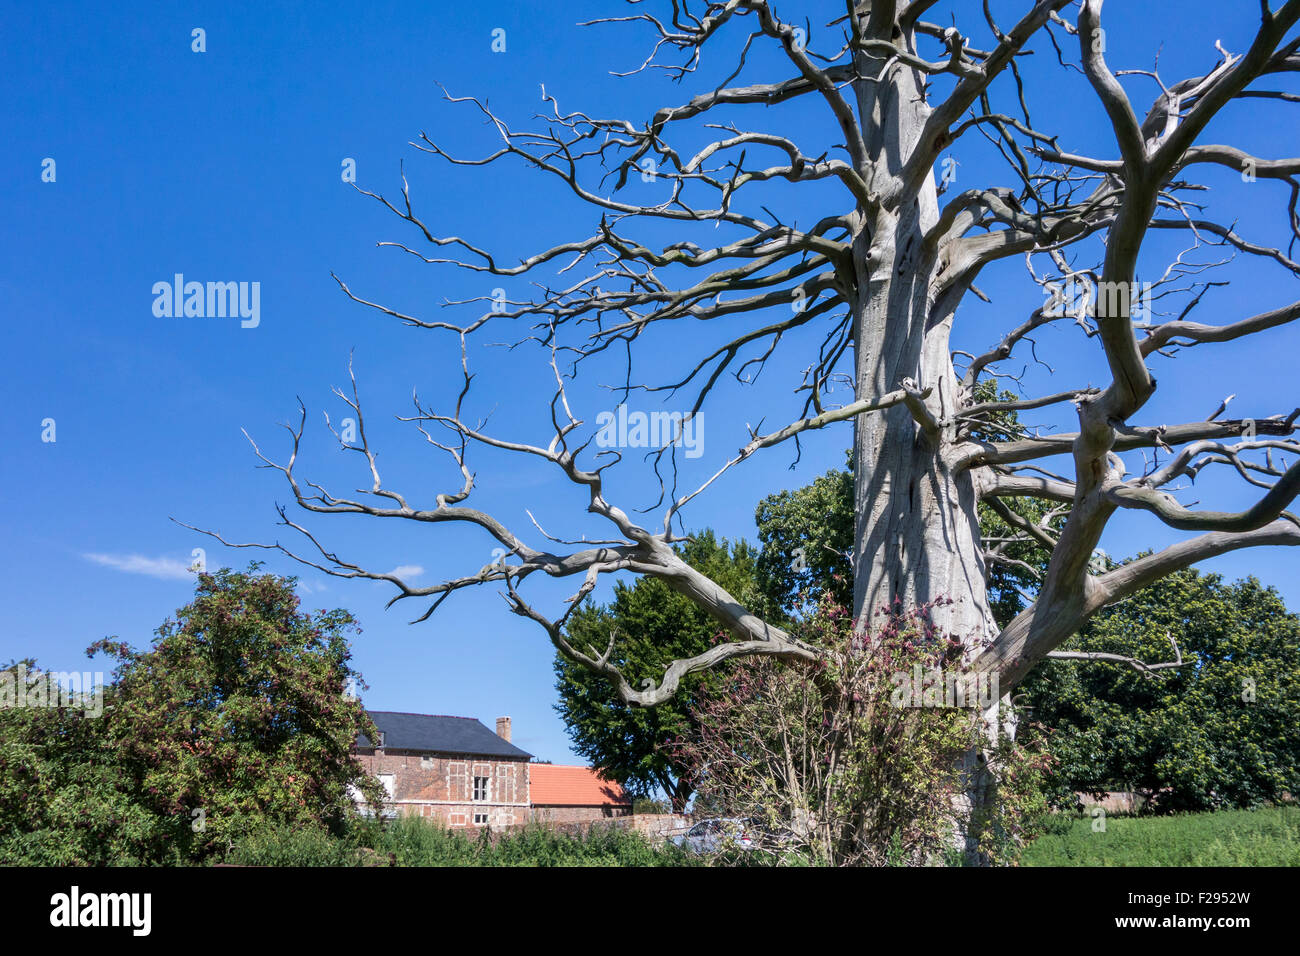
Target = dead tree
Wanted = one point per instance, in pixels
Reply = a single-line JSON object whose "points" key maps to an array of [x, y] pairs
{"points": [[880, 279]]}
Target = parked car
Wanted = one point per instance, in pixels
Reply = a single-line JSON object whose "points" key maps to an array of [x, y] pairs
{"points": [[710, 836]]}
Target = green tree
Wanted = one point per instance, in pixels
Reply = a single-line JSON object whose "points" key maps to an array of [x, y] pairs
{"points": [[236, 717], [807, 541], [654, 625], [1223, 730]]}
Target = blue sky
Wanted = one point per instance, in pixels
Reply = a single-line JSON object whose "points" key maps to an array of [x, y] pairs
{"points": [[225, 166]]}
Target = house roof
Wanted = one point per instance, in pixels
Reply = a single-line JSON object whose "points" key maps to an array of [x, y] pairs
{"points": [[552, 786], [439, 734]]}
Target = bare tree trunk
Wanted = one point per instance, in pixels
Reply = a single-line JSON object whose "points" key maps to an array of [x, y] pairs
{"points": [[917, 531], [917, 536]]}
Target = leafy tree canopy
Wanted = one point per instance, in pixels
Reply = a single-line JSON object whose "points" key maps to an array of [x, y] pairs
{"points": [[1223, 730], [238, 715]]}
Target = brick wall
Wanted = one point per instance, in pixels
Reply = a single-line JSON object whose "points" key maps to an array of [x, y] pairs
{"points": [[442, 787], [578, 814]]}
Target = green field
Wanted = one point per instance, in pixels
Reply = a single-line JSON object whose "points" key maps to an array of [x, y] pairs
{"points": [[1267, 837]]}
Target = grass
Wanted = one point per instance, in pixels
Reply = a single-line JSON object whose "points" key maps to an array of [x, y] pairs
{"points": [[1265, 837]]}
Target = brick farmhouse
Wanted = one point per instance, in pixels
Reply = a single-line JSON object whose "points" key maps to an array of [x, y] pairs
{"points": [[456, 770]]}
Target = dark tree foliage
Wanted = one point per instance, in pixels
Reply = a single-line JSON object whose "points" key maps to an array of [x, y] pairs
{"points": [[1221, 731], [807, 542]]}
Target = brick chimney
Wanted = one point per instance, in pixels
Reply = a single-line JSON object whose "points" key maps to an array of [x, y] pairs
{"points": [[503, 728]]}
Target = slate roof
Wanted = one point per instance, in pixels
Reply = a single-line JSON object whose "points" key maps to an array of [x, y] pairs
{"points": [[552, 786], [437, 734]]}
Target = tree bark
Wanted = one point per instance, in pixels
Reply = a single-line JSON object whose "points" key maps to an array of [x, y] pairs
{"points": [[917, 530], [917, 538]]}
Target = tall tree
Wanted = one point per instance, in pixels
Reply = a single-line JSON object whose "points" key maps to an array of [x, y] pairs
{"points": [[834, 235]]}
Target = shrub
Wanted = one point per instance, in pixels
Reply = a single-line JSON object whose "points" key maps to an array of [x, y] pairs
{"points": [[294, 846], [832, 765]]}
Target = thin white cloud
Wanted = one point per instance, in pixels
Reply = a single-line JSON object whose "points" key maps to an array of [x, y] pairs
{"points": [[407, 571], [168, 569]]}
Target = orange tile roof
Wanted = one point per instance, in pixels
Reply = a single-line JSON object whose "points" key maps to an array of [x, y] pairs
{"points": [[552, 786]]}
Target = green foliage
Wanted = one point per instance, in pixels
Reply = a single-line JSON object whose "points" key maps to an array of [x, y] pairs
{"points": [[646, 805], [1020, 565], [806, 535], [415, 841], [1221, 731], [654, 625], [282, 845], [1263, 837], [236, 717], [63, 799]]}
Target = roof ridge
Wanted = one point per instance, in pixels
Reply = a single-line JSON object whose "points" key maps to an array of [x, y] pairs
{"points": [[411, 713]]}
